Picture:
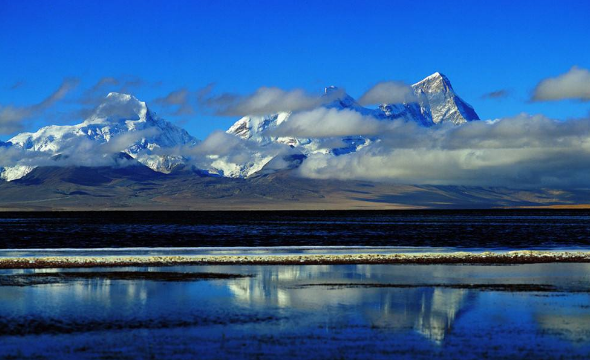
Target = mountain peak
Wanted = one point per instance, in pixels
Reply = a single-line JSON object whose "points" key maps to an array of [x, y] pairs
{"points": [[434, 83], [120, 117], [336, 97], [120, 96], [437, 96], [330, 89], [335, 93], [119, 106], [436, 75], [123, 99]]}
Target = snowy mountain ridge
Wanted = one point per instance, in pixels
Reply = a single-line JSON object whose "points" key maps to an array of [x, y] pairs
{"points": [[437, 103], [122, 124], [122, 121]]}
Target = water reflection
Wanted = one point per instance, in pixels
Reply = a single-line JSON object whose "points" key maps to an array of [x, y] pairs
{"points": [[429, 311], [411, 306]]}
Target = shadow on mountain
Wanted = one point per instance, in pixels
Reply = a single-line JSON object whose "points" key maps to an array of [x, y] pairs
{"points": [[88, 176], [463, 197], [138, 187]]}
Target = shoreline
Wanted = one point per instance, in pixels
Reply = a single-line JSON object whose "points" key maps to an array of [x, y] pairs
{"points": [[484, 258]]}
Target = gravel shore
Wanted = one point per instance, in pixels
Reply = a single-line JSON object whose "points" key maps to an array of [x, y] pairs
{"points": [[513, 257]]}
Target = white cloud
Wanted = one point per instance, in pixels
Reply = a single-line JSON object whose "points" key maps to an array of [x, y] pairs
{"points": [[520, 151], [574, 84], [388, 92], [122, 141], [264, 101], [224, 153], [78, 151], [323, 123]]}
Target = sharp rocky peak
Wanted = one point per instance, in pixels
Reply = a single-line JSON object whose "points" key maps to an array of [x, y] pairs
{"points": [[339, 99], [439, 103], [436, 82]]}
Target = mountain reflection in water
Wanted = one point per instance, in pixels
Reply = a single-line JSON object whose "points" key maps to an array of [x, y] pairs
{"points": [[384, 310], [430, 311]]}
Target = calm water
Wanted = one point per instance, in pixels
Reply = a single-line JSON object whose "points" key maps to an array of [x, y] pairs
{"points": [[494, 229], [288, 312]]}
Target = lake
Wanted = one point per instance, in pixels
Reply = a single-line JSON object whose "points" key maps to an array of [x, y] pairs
{"points": [[489, 229], [317, 312], [294, 311]]}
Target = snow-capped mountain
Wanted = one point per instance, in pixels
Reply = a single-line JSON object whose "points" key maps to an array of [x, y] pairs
{"points": [[121, 123], [437, 103], [260, 128], [124, 125]]}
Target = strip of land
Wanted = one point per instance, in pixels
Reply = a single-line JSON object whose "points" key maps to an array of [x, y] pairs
{"points": [[512, 257]]}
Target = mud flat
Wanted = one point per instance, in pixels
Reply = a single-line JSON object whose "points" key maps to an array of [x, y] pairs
{"points": [[511, 257]]}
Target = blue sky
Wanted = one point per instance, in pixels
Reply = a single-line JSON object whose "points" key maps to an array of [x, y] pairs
{"points": [[481, 46]]}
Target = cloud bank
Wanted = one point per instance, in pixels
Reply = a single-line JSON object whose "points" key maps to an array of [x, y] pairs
{"points": [[227, 155], [388, 92], [574, 85], [264, 101], [78, 151], [324, 123], [520, 151]]}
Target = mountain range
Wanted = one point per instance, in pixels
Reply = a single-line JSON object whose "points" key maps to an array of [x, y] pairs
{"points": [[436, 103], [125, 156], [124, 124]]}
